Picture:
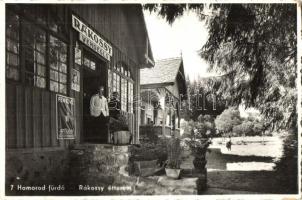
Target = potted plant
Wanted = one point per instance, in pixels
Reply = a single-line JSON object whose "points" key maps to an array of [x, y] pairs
{"points": [[174, 158], [119, 129], [199, 148], [199, 143]]}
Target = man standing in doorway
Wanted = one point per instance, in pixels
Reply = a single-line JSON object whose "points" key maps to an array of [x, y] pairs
{"points": [[100, 112]]}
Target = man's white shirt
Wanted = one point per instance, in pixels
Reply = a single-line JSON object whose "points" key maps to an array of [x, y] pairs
{"points": [[98, 105]]}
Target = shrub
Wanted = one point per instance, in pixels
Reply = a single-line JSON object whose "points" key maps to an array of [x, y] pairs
{"points": [[150, 151], [120, 124]]}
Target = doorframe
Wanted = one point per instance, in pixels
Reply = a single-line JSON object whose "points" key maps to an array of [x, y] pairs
{"points": [[106, 64]]}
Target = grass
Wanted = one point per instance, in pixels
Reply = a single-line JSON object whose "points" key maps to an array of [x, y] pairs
{"points": [[283, 180], [217, 160]]}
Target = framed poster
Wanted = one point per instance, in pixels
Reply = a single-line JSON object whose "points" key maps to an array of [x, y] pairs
{"points": [[65, 117], [75, 82], [77, 55]]}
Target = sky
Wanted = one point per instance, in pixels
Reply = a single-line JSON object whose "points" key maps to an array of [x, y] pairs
{"points": [[184, 37]]}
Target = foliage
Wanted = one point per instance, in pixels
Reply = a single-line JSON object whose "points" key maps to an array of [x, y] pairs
{"points": [[227, 120], [231, 122], [254, 46], [120, 124], [150, 151], [198, 137], [205, 126], [202, 93], [245, 129], [208, 124], [258, 128], [149, 133], [174, 153]]}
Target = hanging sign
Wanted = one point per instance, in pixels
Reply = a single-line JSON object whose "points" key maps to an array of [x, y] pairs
{"points": [[92, 39], [75, 83], [65, 117]]}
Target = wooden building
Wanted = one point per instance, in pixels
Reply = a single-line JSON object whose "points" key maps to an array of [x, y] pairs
{"points": [[56, 57], [163, 88]]}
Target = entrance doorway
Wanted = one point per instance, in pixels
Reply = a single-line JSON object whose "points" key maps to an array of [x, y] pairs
{"points": [[94, 75]]}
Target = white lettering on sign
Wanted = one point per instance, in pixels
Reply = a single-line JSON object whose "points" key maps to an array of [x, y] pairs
{"points": [[66, 100], [93, 46], [94, 40]]}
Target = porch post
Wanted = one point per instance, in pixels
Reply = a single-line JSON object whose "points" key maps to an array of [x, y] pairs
{"points": [[162, 101], [137, 107]]}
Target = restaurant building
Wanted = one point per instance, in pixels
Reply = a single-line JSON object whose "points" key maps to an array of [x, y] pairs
{"points": [[56, 57]]}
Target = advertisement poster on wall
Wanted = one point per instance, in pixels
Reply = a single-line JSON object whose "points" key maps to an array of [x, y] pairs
{"points": [[75, 83], [77, 55], [65, 117]]}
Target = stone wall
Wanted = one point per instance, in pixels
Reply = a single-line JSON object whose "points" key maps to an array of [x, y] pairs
{"points": [[92, 169], [33, 167], [100, 165]]}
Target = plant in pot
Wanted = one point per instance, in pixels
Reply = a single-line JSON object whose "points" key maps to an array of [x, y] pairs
{"points": [[119, 129], [174, 158], [199, 143]]}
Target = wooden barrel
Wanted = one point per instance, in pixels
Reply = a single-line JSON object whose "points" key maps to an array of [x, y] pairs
{"points": [[121, 137]]}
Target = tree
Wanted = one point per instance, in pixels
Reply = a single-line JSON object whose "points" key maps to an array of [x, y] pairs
{"points": [[227, 120], [208, 123], [237, 130], [254, 46], [258, 128], [247, 128], [200, 100]]}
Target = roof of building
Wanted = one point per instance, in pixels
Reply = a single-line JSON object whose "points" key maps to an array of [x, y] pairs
{"points": [[164, 71]]}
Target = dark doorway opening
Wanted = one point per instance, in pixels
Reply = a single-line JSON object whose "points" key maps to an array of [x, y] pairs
{"points": [[94, 75]]}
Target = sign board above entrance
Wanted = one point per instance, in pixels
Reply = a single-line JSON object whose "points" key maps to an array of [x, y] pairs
{"points": [[92, 39], [94, 47]]}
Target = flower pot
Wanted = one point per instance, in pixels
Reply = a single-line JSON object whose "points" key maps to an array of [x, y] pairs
{"points": [[121, 137], [199, 164], [173, 173]]}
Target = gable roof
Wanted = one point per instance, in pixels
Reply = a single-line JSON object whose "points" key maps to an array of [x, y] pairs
{"points": [[164, 72]]}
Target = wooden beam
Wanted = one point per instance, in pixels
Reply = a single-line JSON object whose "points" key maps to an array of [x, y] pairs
{"points": [[156, 85]]}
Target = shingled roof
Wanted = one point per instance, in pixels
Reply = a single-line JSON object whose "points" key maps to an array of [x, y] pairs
{"points": [[164, 71]]}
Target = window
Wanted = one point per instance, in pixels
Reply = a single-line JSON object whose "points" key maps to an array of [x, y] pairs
{"points": [[130, 97], [124, 94], [116, 82], [123, 84], [89, 63], [58, 65], [35, 50], [109, 83], [12, 46]]}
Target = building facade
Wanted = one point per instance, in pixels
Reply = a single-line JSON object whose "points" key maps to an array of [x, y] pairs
{"points": [[56, 58], [163, 88]]}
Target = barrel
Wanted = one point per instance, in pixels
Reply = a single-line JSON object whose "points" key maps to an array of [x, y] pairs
{"points": [[121, 137]]}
